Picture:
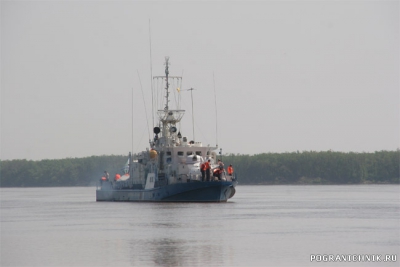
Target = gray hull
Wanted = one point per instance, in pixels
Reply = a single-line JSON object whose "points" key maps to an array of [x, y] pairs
{"points": [[181, 192]]}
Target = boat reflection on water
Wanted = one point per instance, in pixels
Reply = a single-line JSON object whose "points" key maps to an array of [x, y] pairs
{"points": [[179, 234], [176, 252]]}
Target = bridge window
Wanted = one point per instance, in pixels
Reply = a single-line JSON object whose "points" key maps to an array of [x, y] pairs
{"points": [[189, 153], [198, 153], [180, 153]]}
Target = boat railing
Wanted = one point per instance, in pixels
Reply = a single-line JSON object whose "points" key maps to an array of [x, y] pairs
{"points": [[161, 183], [182, 177], [101, 185], [195, 177], [229, 177]]}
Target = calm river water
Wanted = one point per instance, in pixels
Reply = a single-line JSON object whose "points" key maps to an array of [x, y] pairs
{"points": [[259, 226]]}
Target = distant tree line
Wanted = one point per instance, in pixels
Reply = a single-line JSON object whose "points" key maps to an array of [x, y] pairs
{"points": [[59, 172], [308, 167]]}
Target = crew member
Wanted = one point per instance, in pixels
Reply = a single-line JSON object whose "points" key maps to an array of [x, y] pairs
{"points": [[216, 174], [203, 171], [221, 169], [220, 164], [230, 170], [107, 175], [207, 169]]}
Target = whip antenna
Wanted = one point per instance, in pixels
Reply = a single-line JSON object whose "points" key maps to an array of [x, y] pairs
{"points": [[132, 122], [216, 114], [151, 77], [191, 95], [144, 103]]}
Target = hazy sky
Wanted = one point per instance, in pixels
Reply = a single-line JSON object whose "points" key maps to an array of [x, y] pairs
{"points": [[289, 75]]}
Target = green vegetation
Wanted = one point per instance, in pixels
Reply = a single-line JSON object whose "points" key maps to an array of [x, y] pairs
{"points": [[311, 167], [307, 167], [59, 172]]}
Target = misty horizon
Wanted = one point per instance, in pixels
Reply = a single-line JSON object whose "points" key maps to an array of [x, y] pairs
{"points": [[288, 76]]}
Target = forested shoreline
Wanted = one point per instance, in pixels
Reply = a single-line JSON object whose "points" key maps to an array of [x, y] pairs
{"points": [[307, 167]]}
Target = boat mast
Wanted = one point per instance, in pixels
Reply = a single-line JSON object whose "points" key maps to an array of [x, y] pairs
{"points": [[166, 82], [191, 95], [168, 117]]}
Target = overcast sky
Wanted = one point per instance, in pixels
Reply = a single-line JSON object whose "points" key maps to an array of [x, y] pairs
{"points": [[289, 75]]}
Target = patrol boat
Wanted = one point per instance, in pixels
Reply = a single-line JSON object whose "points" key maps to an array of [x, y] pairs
{"points": [[169, 171]]}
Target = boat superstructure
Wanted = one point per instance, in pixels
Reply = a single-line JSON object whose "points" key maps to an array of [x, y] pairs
{"points": [[170, 169]]}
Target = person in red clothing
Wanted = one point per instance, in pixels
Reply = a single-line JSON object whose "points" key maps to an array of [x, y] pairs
{"points": [[230, 170], [203, 171], [207, 170], [216, 174]]}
